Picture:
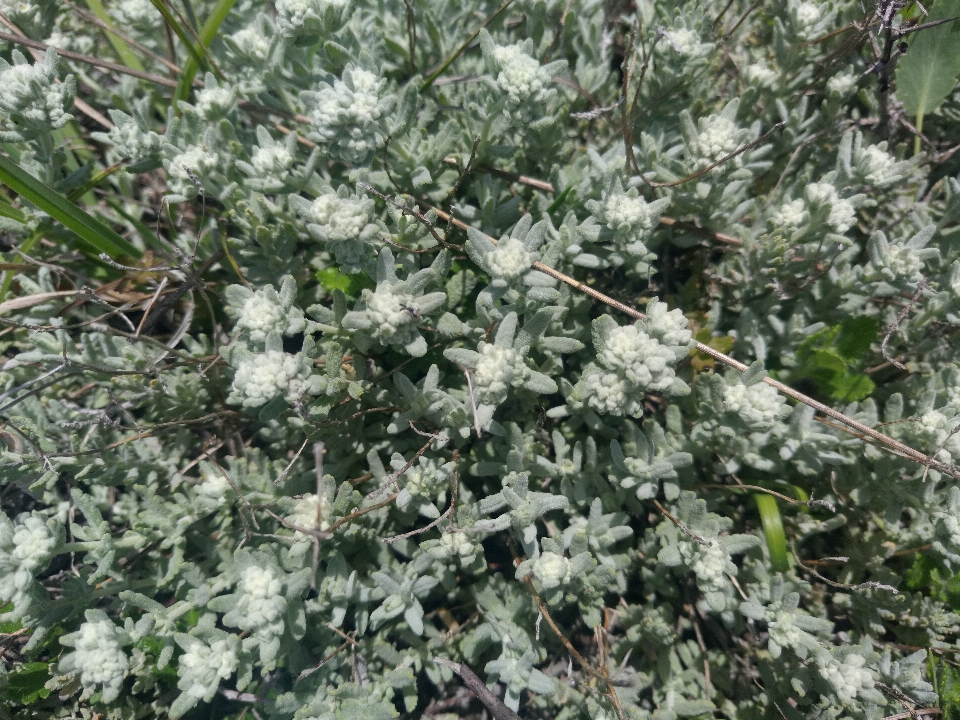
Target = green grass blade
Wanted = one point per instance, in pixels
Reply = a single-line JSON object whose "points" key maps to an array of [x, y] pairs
{"points": [[61, 209], [124, 52], [207, 33], [177, 28], [773, 531]]}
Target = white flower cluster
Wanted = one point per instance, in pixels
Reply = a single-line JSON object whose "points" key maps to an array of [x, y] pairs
{"points": [[213, 487], [842, 84], [272, 163], [628, 212], [718, 136], [687, 42], [130, 140], [784, 631], [807, 13], [875, 166], [936, 430], [669, 328], [759, 74], [305, 17], [214, 102], [263, 312], [203, 666], [634, 359], [521, 76], [498, 369], [758, 405], [638, 358], [848, 677], [791, 215], [195, 159], [823, 199], [253, 42], [347, 115], [32, 99], [260, 315], [552, 570], [260, 603], [98, 655], [509, 259], [336, 218], [140, 14], [264, 376], [393, 315], [709, 563], [26, 547], [309, 513], [451, 544]]}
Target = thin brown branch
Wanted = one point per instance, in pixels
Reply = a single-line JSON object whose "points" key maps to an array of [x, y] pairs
{"points": [[587, 667], [682, 526], [494, 704]]}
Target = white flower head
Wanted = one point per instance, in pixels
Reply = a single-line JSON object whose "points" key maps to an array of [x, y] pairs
{"points": [[628, 212], [347, 115], [510, 259], [842, 84], [213, 486], [260, 316], [498, 369], [202, 667], [824, 199], [264, 376], [875, 165], [261, 604], [214, 102], [521, 76], [608, 393], [98, 655], [686, 41], [309, 514], [194, 160], [760, 74], [393, 315], [791, 215], [26, 547], [272, 162], [641, 359], [253, 42], [31, 99], [848, 677], [759, 405], [709, 563], [338, 217], [718, 137], [552, 570], [310, 17], [139, 13]]}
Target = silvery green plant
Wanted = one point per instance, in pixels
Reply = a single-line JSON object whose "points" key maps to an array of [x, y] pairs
{"points": [[519, 339]]}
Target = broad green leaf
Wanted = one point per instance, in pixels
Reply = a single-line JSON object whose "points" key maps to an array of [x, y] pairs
{"points": [[927, 74], [26, 685], [856, 336], [103, 238], [773, 531]]}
